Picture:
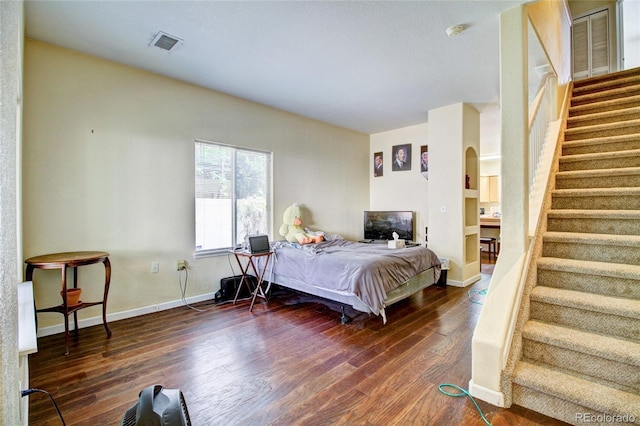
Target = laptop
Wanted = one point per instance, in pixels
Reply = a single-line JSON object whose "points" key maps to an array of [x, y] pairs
{"points": [[258, 244]]}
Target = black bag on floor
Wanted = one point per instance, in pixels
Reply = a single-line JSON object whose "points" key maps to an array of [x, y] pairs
{"points": [[229, 286], [158, 406]]}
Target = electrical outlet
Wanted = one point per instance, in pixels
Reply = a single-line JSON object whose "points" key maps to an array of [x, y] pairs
{"points": [[181, 265], [155, 267]]}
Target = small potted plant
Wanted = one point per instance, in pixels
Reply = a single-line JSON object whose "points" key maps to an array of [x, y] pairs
{"points": [[73, 296]]}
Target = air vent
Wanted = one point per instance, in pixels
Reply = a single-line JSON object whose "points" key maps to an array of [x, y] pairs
{"points": [[166, 42]]}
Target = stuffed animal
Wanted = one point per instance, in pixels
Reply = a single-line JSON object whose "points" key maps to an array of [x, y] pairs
{"points": [[292, 229]]}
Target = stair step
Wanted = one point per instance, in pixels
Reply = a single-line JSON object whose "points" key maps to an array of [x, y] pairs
{"points": [[593, 302], [596, 199], [605, 269], [608, 248], [619, 222], [602, 106], [606, 347], [605, 90], [604, 117], [569, 398], [599, 178], [600, 145], [596, 313], [615, 361], [630, 241], [600, 160], [605, 95], [601, 130], [608, 279], [606, 82], [591, 81]]}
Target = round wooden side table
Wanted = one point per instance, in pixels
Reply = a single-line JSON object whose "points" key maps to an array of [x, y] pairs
{"points": [[72, 260]]}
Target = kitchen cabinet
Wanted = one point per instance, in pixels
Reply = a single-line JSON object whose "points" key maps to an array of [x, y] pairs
{"points": [[489, 189]]}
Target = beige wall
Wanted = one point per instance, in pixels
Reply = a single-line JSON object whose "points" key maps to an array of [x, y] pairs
{"points": [[409, 190], [452, 130], [578, 7], [401, 190], [108, 165], [551, 20]]}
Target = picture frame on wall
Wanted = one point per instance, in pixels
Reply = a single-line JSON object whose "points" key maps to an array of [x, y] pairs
{"points": [[401, 157], [424, 161], [378, 165]]}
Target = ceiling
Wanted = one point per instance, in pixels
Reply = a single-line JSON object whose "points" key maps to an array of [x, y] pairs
{"points": [[366, 66]]}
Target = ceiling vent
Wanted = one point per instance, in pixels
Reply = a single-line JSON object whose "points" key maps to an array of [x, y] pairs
{"points": [[166, 42]]}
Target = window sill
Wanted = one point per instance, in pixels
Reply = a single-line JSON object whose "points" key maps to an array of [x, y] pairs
{"points": [[201, 254]]}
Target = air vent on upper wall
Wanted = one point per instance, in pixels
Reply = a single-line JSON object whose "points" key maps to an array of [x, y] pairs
{"points": [[166, 42]]}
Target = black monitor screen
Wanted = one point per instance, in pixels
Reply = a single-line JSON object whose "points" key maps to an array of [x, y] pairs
{"points": [[259, 244], [382, 225]]}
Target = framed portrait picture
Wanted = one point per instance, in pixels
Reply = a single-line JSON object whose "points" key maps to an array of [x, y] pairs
{"points": [[401, 157], [424, 161], [378, 169]]}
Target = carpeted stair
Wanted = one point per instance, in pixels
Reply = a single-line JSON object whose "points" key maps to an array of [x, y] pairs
{"points": [[580, 352]]}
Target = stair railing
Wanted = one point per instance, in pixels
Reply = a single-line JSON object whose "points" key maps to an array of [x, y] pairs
{"points": [[541, 113], [544, 128]]}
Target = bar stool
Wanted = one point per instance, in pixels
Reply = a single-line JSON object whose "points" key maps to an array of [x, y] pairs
{"points": [[491, 246]]}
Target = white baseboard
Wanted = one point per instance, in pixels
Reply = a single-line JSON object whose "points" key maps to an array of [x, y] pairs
{"points": [[89, 322], [468, 282], [486, 394]]}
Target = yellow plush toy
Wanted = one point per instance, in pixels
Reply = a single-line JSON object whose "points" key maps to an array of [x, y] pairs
{"points": [[292, 229]]}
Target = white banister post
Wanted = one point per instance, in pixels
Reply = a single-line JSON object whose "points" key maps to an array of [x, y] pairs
{"points": [[492, 335], [515, 132]]}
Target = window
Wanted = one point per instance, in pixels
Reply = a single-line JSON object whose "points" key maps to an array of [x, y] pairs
{"points": [[233, 197]]}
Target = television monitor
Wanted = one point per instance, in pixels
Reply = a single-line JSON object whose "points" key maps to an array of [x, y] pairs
{"points": [[380, 225]]}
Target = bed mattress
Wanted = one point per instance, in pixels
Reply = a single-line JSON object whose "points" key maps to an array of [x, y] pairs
{"points": [[347, 268]]}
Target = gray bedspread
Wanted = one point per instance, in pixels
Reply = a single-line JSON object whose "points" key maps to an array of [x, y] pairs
{"points": [[367, 270]]}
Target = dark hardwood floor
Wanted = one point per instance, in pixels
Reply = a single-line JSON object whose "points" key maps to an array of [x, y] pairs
{"points": [[291, 363]]}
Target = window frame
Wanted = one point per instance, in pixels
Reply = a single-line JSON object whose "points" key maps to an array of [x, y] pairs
{"points": [[268, 196]]}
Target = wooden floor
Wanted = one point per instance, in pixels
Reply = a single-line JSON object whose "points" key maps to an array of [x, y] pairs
{"points": [[291, 363]]}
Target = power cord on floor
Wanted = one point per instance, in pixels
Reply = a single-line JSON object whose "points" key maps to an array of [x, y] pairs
{"points": [[463, 392], [33, 390], [233, 272], [183, 291], [482, 292]]}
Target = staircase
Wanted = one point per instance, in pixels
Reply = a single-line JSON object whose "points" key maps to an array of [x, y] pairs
{"points": [[580, 349]]}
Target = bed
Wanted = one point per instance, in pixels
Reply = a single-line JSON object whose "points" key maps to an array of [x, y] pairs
{"points": [[366, 276]]}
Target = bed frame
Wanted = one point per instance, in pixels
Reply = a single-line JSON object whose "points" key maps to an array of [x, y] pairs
{"points": [[418, 283]]}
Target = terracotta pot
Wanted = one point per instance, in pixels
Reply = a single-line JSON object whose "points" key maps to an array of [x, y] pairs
{"points": [[73, 296]]}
